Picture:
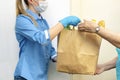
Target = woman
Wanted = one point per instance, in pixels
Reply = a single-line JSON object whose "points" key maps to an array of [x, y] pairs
{"points": [[34, 37], [113, 38]]}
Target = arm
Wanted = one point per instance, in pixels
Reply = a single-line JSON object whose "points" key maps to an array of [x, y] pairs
{"points": [[26, 28], [106, 66], [70, 20], [54, 31], [90, 26], [113, 38]]}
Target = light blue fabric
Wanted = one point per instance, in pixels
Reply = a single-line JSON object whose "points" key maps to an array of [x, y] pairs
{"points": [[70, 20], [35, 47], [118, 64]]}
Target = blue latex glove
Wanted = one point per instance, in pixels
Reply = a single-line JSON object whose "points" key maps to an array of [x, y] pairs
{"points": [[70, 20]]}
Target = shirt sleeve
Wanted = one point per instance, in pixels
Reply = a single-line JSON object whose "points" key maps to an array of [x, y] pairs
{"points": [[26, 28], [53, 53]]}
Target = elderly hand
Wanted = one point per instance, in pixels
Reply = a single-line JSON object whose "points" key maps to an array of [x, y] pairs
{"points": [[88, 26], [100, 69]]}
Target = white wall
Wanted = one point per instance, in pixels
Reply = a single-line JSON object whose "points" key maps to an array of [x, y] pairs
{"points": [[8, 45], [108, 10]]}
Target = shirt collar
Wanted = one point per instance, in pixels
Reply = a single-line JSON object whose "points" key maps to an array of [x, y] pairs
{"points": [[34, 15]]}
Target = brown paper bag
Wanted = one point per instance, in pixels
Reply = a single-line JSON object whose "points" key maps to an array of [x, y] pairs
{"points": [[78, 52]]}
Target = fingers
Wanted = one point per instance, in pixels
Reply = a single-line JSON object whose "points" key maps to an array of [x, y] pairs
{"points": [[83, 24], [87, 26], [82, 27]]}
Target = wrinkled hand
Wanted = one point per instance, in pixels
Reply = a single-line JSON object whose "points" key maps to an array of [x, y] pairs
{"points": [[88, 26], [70, 20], [100, 69]]}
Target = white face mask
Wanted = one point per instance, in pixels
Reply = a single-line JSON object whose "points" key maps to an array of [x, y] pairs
{"points": [[42, 6]]}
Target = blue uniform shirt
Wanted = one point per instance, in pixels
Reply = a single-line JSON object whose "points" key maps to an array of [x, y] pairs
{"points": [[35, 47], [118, 64]]}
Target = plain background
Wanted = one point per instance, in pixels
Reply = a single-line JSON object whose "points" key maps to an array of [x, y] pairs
{"points": [[109, 10]]}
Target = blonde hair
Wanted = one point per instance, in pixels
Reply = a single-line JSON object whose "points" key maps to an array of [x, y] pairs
{"points": [[20, 10]]}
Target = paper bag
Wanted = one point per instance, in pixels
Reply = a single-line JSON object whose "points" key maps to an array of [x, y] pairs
{"points": [[78, 52]]}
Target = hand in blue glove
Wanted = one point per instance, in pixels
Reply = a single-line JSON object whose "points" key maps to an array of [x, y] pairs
{"points": [[70, 20]]}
